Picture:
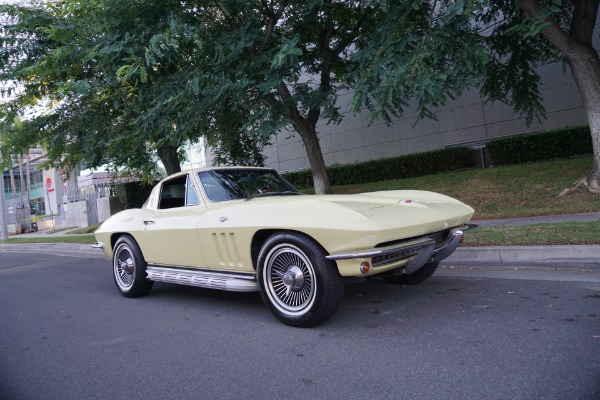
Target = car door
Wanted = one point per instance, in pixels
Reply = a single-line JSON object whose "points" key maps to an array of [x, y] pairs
{"points": [[169, 235]]}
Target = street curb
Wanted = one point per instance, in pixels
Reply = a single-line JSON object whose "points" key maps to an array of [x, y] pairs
{"points": [[559, 256], [563, 256], [50, 248]]}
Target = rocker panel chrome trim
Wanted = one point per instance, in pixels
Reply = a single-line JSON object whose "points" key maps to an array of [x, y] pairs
{"points": [[200, 278]]}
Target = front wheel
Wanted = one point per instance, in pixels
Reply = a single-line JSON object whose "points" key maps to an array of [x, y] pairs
{"points": [[297, 283], [418, 276], [129, 268]]}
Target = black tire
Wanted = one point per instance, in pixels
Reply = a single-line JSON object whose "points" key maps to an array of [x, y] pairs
{"points": [[297, 283], [129, 268], [418, 276]]}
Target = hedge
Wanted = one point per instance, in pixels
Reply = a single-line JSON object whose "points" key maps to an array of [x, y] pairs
{"points": [[384, 169], [544, 146], [133, 194]]}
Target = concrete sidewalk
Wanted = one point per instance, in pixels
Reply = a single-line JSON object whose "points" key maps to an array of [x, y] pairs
{"points": [[556, 256], [53, 248], [563, 256], [559, 256], [581, 217]]}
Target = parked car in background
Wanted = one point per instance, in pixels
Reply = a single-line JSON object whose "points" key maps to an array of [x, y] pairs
{"points": [[248, 229]]}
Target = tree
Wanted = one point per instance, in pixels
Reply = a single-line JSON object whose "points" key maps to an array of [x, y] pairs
{"points": [[571, 33], [233, 144], [272, 63], [285, 62], [502, 43], [66, 60]]}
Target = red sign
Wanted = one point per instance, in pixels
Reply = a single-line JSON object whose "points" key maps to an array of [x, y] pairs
{"points": [[48, 183]]}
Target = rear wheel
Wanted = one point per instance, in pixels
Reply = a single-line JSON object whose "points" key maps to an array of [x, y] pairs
{"points": [[297, 283], [418, 276], [129, 268]]}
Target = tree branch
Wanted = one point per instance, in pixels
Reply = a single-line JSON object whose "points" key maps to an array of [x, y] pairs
{"points": [[273, 18], [584, 19], [553, 32]]}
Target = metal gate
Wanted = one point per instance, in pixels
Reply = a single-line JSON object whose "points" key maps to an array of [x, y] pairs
{"points": [[91, 208], [90, 195]]}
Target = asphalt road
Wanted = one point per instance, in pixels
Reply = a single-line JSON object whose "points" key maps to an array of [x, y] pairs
{"points": [[65, 333]]}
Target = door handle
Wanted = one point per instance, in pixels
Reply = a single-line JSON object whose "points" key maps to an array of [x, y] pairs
{"points": [[148, 222]]}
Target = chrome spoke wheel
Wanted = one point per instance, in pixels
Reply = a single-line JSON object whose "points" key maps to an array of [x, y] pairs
{"points": [[129, 268], [124, 266], [296, 281], [290, 279]]}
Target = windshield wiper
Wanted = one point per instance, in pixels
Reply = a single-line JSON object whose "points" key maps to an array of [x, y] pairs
{"points": [[265, 194]]}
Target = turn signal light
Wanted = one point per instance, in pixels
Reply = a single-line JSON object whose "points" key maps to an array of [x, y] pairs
{"points": [[364, 267]]}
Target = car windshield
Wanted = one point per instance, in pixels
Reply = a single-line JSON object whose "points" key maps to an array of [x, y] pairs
{"points": [[236, 184]]}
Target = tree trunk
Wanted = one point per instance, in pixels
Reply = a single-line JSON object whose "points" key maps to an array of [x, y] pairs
{"points": [[306, 127], [310, 139], [586, 71], [583, 59], [13, 185], [169, 156], [21, 181]]}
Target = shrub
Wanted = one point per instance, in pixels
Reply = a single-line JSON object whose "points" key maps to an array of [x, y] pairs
{"points": [[384, 169], [544, 146], [133, 194]]}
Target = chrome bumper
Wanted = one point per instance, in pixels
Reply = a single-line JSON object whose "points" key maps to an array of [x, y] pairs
{"points": [[422, 250], [456, 238]]}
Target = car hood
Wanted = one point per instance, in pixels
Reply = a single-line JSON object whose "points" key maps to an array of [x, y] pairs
{"points": [[420, 212], [401, 207]]}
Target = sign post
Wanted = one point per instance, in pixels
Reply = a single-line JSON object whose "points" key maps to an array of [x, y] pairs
{"points": [[48, 190]]}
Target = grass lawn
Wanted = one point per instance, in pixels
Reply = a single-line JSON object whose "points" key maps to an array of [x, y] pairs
{"points": [[59, 230], [506, 191], [89, 229], [80, 239], [539, 234]]}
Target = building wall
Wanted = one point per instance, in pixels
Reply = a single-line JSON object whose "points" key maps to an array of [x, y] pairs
{"points": [[53, 192], [195, 156], [108, 206], [463, 121], [75, 214]]}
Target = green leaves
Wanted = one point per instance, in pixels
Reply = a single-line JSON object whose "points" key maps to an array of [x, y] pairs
{"points": [[433, 53], [421, 52], [288, 54]]}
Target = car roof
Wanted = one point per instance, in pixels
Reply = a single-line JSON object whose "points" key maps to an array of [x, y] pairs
{"points": [[228, 168]]}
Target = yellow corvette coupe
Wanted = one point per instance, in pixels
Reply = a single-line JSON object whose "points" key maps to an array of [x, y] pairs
{"points": [[248, 229]]}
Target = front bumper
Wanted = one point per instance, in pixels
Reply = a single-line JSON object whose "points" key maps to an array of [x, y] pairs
{"points": [[410, 255]]}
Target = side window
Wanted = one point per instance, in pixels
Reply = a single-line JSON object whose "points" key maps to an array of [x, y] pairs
{"points": [[191, 194], [172, 193]]}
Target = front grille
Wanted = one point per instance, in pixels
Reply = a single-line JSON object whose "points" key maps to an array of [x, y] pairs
{"points": [[440, 238], [393, 257]]}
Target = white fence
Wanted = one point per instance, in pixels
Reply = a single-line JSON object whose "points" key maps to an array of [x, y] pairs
{"points": [[80, 208]]}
